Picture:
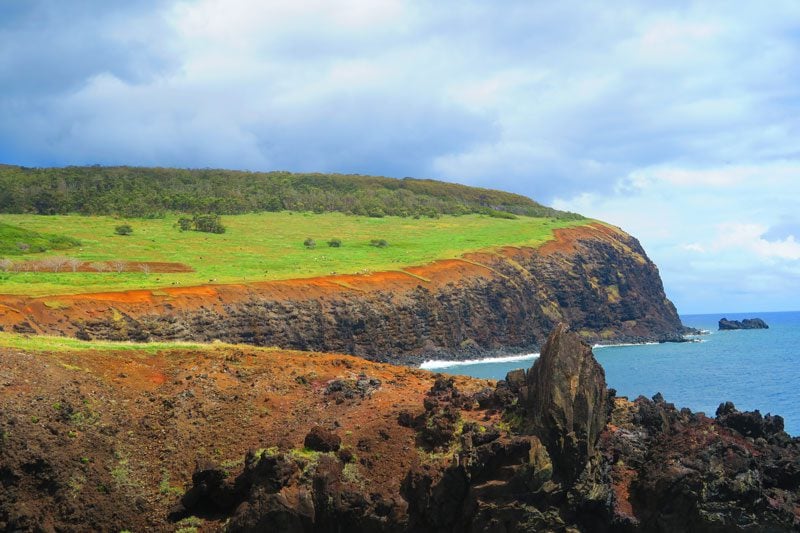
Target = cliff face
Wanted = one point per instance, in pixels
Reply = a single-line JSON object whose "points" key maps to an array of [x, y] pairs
{"points": [[595, 278]]}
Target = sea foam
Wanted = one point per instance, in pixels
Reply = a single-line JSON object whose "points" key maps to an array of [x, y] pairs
{"points": [[436, 364]]}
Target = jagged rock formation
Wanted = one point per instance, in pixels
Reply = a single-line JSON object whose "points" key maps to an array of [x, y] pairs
{"points": [[747, 323], [595, 278], [565, 395]]}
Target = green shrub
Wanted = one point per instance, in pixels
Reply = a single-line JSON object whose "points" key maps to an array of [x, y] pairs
{"points": [[208, 224], [185, 224], [379, 243], [310, 243], [123, 229], [335, 243]]}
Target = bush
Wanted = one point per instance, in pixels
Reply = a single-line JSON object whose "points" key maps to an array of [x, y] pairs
{"points": [[124, 229], [204, 223], [335, 243], [208, 224], [379, 243], [185, 223], [310, 243]]}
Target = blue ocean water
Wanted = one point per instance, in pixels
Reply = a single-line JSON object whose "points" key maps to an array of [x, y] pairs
{"points": [[755, 369]]}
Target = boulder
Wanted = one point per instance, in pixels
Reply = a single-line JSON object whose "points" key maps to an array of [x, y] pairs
{"points": [[320, 439]]}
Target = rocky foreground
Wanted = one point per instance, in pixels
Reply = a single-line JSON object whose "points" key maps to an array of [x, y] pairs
{"points": [[247, 440]]}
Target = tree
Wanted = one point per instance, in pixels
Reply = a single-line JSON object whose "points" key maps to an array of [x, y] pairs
{"points": [[123, 229], [99, 266], [55, 263], [74, 263]]}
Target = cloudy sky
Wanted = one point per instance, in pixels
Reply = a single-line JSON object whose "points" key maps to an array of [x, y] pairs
{"points": [[679, 121]]}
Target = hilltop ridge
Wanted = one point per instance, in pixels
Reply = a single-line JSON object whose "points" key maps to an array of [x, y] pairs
{"points": [[151, 192]]}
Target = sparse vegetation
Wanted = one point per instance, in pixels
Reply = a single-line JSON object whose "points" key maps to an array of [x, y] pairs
{"points": [[124, 229]]}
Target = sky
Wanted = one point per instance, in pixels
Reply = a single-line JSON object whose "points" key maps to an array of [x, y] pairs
{"points": [[677, 121]]}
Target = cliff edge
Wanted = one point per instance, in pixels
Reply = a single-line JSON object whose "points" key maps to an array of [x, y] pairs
{"points": [[595, 278]]}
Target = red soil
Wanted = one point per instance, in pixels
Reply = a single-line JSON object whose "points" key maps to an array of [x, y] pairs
{"points": [[163, 412]]}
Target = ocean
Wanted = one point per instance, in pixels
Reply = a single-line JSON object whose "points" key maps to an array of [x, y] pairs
{"points": [[755, 369]]}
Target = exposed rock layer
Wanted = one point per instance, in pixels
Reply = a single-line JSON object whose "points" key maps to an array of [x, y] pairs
{"points": [[595, 278]]}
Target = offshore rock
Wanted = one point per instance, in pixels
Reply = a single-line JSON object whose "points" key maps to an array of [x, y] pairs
{"points": [[747, 323]]}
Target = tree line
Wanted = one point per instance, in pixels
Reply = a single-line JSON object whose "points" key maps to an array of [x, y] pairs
{"points": [[153, 192]]}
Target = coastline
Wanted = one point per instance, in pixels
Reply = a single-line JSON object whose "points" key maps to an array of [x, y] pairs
{"points": [[436, 364]]}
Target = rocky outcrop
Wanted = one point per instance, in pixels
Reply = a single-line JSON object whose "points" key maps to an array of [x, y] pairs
{"points": [[679, 471], [565, 396], [747, 323], [594, 277]]}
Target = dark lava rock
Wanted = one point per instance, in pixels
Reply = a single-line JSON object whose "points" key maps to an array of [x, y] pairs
{"points": [[747, 323], [749, 424], [321, 440], [567, 400]]}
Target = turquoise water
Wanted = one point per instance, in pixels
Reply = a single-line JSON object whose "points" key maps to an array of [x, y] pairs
{"points": [[755, 369]]}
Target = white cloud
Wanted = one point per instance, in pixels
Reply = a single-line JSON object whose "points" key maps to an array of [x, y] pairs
{"points": [[716, 233], [666, 119]]}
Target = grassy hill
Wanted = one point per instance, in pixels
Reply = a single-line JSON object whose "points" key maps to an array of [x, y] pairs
{"points": [[259, 247]]}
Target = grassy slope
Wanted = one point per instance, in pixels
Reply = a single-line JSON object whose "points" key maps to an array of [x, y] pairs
{"points": [[11, 237], [264, 246]]}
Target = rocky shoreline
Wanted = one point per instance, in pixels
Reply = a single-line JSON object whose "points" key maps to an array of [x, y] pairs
{"points": [[178, 440], [577, 459]]}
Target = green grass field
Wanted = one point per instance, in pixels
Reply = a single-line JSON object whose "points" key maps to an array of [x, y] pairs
{"points": [[259, 247], [46, 343]]}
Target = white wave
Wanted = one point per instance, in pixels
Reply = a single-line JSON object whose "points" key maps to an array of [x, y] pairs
{"points": [[596, 346], [436, 364]]}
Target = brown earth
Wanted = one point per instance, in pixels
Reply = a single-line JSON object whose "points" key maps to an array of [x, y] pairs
{"points": [[595, 277], [111, 441]]}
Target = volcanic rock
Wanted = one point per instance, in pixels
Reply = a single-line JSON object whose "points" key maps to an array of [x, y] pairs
{"points": [[747, 323], [321, 440], [567, 400]]}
